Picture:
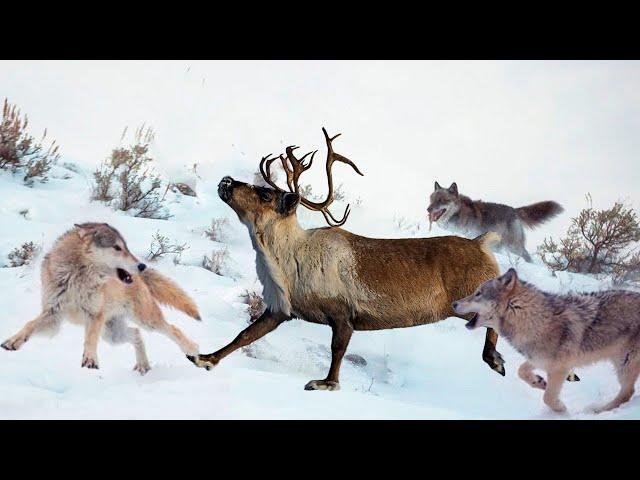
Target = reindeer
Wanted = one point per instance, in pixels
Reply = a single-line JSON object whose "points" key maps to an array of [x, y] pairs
{"points": [[333, 277]]}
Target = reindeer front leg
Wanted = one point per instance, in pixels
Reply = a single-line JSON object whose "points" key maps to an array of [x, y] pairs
{"points": [[342, 332], [267, 322], [490, 355]]}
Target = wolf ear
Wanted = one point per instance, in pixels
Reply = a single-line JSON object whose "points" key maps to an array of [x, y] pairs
{"points": [[454, 188], [437, 187], [84, 231], [510, 278], [288, 203]]}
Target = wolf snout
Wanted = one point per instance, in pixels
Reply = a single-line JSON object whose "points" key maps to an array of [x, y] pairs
{"points": [[141, 267]]}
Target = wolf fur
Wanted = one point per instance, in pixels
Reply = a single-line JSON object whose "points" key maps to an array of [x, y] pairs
{"points": [[459, 214], [91, 278], [557, 333]]}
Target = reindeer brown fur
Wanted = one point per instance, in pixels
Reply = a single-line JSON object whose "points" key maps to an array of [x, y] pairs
{"points": [[334, 277]]}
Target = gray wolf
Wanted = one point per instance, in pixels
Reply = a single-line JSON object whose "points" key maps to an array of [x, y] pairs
{"points": [[459, 214], [557, 333], [348, 282], [91, 278]]}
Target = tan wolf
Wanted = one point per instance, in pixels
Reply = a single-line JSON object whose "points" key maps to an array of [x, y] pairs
{"points": [[91, 278], [559, 332], [459, 214]]}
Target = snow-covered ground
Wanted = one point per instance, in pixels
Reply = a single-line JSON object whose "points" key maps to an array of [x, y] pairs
{"points": [[429, 372]]}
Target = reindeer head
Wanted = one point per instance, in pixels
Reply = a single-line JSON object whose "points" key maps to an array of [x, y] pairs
{"points": [[260, 205]]}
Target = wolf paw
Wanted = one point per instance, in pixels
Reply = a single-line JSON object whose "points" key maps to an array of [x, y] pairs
{"points": [[14, 343], [572, 377], [539, 382], [203, 361], [89, 362], [142, 368], [495, 361], [557, 406], [322, 385]]}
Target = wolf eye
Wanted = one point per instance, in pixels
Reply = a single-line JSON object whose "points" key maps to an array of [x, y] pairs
{"points": [[477, 294], [117, 248]]}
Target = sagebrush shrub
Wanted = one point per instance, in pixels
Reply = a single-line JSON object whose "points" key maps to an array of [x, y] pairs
{"points": [[216, 231], [255, 304], [127, 180], [600, 242], [161, 246], [217, 261], [20, 151], [23, 255]]}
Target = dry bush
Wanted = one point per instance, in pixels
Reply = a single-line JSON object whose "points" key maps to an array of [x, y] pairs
{"points": [[600, 242], [217, 262], [405, 225], [216, 231], [182, 188], [23, 255], [21, 152], [161, 246], [255, 304], [126, 179]]}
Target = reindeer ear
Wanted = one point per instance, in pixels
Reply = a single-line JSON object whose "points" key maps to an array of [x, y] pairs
{"points": [[510, 278], [454, 188], [437, 187], [288, 203]]}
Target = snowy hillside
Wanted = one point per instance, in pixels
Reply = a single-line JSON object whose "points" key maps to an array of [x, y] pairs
{"points": [[429, 372]]}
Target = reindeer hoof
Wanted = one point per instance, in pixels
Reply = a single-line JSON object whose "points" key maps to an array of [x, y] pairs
{"points": [[495, 361], [203, 361], [322, 385]]}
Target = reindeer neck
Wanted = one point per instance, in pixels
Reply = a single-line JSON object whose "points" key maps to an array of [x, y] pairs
{"points": [[276, 245]]}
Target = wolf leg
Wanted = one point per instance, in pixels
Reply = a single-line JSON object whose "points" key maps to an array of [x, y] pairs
{"points": [[490, 355], [93, 328], [44, 321], [267, 322], [628, 373], [341, 334], [555, 380], [525, 372], [187, 346], [116, 331], [573, 377]]}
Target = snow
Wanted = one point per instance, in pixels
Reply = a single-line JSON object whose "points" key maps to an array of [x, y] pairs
{"points": [[428, 372]]}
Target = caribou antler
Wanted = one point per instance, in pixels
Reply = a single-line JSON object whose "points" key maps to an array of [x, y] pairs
{"points": [[295, 167]]}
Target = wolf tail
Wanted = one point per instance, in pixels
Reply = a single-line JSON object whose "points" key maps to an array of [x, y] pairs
{"points": [[538, 213], [169, 293]]}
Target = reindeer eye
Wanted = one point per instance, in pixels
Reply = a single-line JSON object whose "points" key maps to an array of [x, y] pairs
{"points": [[117, 248], [264, 195]]}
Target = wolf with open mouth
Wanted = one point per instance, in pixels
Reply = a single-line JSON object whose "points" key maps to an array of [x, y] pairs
{"points": [[91, 278]]}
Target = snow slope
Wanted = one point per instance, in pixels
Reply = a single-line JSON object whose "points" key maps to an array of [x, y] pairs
{"points": [[429, 372]]}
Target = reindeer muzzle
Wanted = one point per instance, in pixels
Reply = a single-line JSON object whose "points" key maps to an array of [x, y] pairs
{"points": [[225, 188]]}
